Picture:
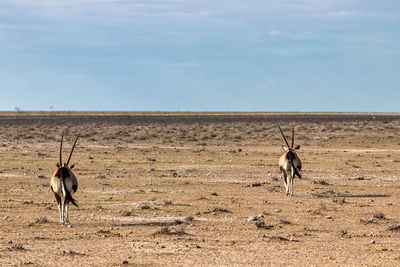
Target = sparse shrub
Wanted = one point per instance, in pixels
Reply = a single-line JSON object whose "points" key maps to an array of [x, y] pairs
{"points": [[151, 159], [167, 231], [18, 247], [282, 221], [163, 231], [126, 213], [166, 202], [41, 220], [394, 227], [328, 193], [220, 210], [379, 215], [262, 225], [321, 182], [189, 218]]}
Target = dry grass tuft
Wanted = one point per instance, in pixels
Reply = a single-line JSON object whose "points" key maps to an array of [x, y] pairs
{"points": [[262, 225], [320, 182], [168, 231], [394, 227], [379, 215]]}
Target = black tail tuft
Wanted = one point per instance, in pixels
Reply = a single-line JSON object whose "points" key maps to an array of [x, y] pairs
{"points": [[68, 197], [298, 174], [71, 199], [296, 171]]}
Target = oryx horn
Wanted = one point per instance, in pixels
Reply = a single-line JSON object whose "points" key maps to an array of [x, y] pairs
{"points": [[283, 136], [72, 150], [292, 136], [62, 136]]}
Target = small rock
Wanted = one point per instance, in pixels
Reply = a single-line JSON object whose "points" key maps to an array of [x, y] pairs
{"points": [[329, 217], [278, 210], [252, 218], [126, 213], [5, 217], [372, 241]]}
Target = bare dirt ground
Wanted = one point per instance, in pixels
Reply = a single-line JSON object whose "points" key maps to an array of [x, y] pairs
{"points": [[201, 189]]}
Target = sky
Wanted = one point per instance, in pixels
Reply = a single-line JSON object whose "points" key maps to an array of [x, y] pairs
{"points": [[200, 55]]}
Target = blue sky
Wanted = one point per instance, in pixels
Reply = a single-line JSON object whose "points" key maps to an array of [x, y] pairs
{"points": [[200, 55]]}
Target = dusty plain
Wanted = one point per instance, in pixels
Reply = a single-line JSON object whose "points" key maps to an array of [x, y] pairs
{"points": [[201, 189]]}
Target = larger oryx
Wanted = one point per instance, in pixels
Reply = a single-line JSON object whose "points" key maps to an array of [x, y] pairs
{"points": [[289, 163], [63, 183]]}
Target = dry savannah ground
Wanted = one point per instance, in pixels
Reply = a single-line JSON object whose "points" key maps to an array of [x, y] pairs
{"points": [[201, 189]]}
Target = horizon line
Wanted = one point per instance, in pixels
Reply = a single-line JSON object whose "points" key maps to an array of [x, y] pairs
{"points": [[199, 112]]}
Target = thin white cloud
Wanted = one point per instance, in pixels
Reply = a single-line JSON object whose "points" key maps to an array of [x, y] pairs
{"points": [[295, 35], [113, 11], [159, 64], [275, 33], [348, 14]]}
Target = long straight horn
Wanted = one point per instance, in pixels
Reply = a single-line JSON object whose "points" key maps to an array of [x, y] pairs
{"points": [[62, 136], [72, 150], [292, 136], [283, 136]]}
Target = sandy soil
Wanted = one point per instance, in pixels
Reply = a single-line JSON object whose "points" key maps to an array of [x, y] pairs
{"points": [[201, 189]]}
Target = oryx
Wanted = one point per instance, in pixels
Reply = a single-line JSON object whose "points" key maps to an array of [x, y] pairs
{"points": [[289, 163], [64, 183]]}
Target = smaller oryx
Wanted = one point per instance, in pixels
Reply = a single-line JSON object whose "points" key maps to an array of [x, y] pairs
{"points": [[64, 183], [289, 163]]}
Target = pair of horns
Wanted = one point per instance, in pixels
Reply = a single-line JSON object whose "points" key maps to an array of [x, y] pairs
{"points": [[287, 143], [72, 150]]}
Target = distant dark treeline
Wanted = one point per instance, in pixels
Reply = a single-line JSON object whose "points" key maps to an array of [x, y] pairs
{"points": [[79, 119]]}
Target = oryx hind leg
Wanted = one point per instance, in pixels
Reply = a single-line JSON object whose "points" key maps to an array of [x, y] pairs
{"points": [[62, 218], [66, 213], [288, 185], [291, 186], [293, 173], [60, 208], [285, 177]]}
